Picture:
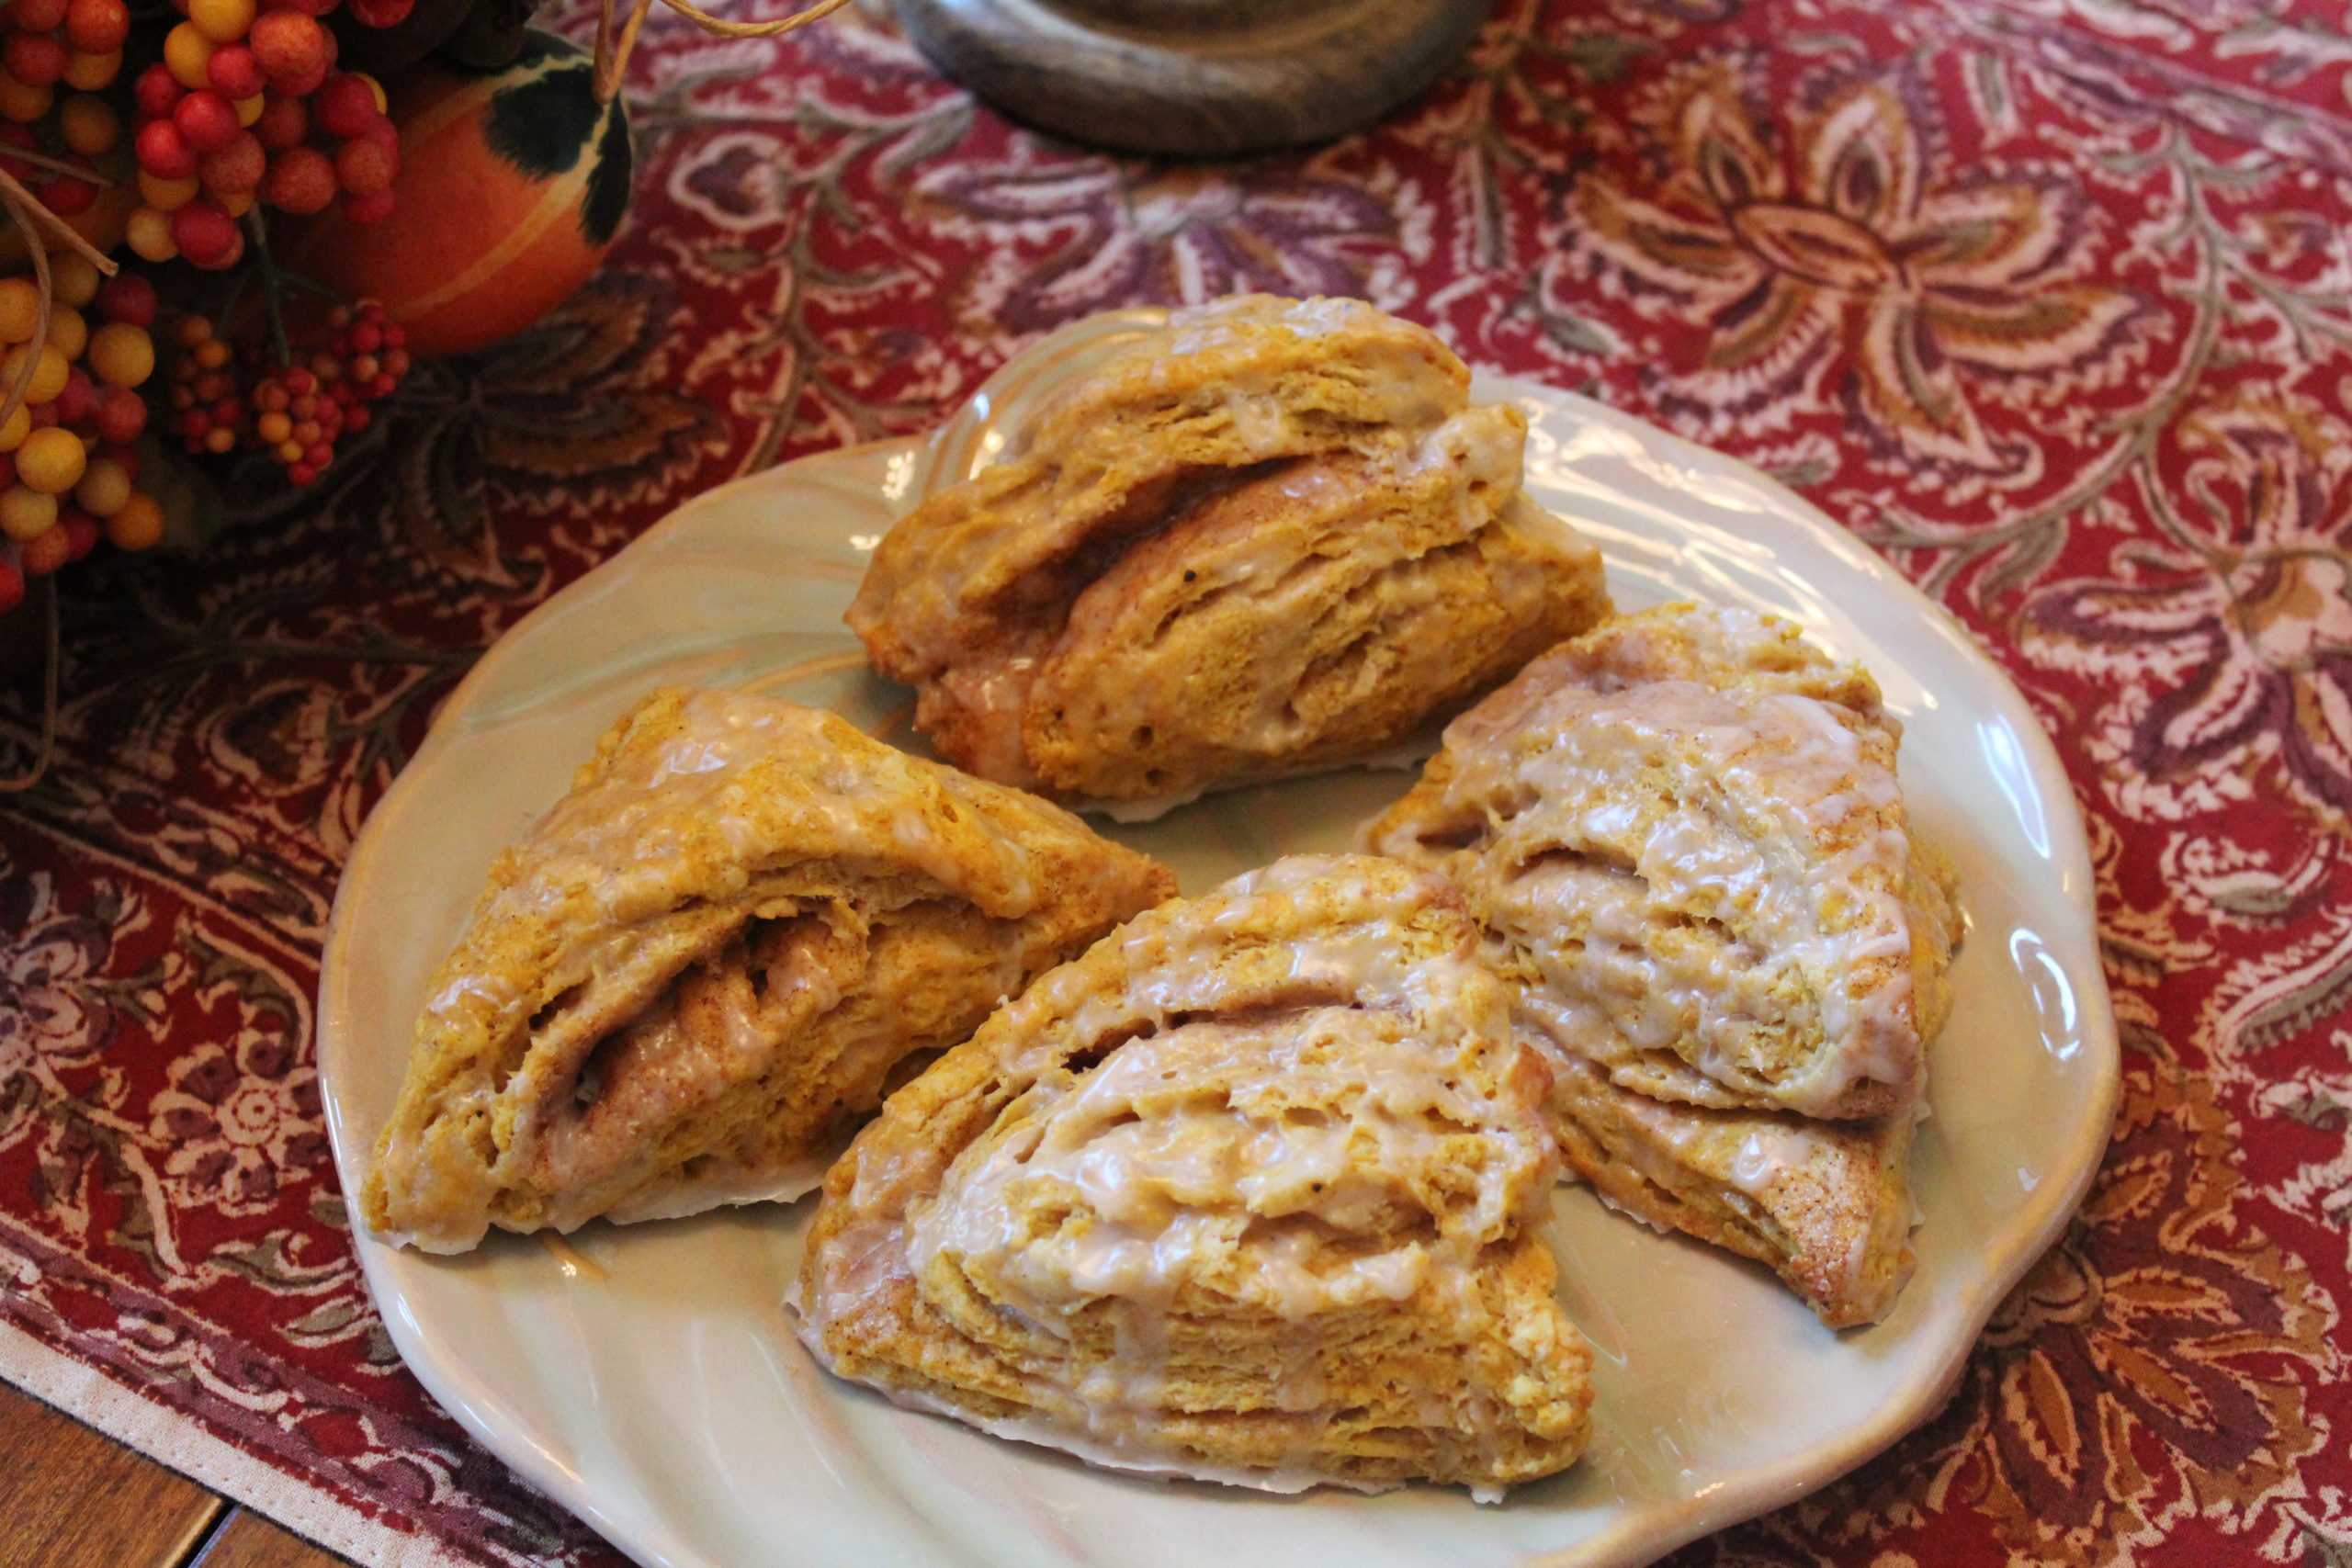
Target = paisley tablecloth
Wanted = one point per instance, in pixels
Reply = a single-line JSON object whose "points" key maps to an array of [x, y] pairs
{"points": [[2050, 300]]}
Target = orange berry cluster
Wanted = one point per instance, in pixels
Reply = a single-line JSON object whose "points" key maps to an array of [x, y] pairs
{"points": [[295, 412], [68, 471]]}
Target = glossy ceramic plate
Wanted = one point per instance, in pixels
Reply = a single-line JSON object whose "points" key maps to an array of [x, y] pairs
{"points": [[651, 1382]]}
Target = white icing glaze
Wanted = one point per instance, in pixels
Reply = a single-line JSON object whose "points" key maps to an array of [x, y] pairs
{"points": [[992, 694], [1760, 1156], [1175, 1189], [575, 1264], [1277, 1157], [1688, 817], [1201, 328], [704, 1191]]}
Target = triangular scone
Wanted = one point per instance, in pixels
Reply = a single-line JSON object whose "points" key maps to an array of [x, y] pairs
{"points": [[691, 979], [1247, 1193], [1826, 1205], [1686, 825], [1683, 838], [1270, 537]]}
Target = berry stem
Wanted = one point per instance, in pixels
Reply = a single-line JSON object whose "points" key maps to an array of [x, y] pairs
{"points": [[272, 285]]}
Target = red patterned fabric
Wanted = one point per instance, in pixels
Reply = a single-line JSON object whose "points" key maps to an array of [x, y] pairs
{"points": [[2050, 299]]}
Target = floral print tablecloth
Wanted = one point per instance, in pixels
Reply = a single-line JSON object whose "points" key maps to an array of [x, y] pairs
{"points": [[2050, 300]]}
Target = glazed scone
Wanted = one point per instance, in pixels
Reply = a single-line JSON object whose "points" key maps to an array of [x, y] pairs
{"points": [[1247, 1193], [696, 973], [1826, 1205], [1684, 832], [1684, 840], [1270, 537]]}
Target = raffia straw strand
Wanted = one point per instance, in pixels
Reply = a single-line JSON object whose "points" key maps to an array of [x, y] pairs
{"points": [[612, 54], [15, 397], [725, 28], [18, 198], [609, 68], [47, 747], [58, 166], [603, 51]]}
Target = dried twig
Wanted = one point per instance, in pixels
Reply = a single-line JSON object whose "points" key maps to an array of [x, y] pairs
{"points": [[17, 196], [59, 166], [15, 397]]}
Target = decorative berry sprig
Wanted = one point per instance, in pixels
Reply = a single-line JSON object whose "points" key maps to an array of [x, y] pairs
{"points": [[68, 470], [56, 57], [294, 412], [45, 44], [247, 108]]}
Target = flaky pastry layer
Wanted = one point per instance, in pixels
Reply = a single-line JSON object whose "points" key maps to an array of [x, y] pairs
{"points": [[1246, 1193], [687, 983], [1270, 538]]}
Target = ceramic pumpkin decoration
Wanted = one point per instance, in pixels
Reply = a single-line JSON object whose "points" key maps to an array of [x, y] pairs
{"points": [[512, 185]]}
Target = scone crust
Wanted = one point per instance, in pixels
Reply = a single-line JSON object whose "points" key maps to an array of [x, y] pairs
{"points": [[1269, 538], [1320, 374], [688, 980], [1239, 1010], [1826, 1205], [1308, 616]]}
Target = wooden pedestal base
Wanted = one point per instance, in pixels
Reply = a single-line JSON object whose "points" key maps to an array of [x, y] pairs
{"points": [[1204, 78]]}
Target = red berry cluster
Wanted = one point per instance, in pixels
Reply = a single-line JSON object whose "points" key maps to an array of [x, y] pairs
{"points": [[246, 107], [296, 412], [48, 46]]}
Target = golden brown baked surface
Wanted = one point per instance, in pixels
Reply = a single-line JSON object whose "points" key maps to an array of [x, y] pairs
{"points": [[1244, 1193], [1684, 837], [1270, 537], [689, 980], [1826, 1205]]}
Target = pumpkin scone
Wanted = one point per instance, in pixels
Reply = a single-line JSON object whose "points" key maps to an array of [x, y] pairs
{"points": [[1270, 537], [1248, 1193], [692, 978], [1683, 835], [1686, 823], [1824, 1205]]}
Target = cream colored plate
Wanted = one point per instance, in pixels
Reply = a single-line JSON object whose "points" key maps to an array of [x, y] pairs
{"points": [[660, 1393]]}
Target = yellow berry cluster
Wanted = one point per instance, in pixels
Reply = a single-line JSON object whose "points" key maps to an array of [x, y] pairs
{"points": [[67, 469]]}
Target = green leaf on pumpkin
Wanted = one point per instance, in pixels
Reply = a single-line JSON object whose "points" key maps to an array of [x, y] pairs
{"points": [[541, 123]]}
